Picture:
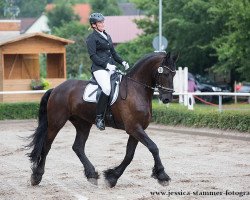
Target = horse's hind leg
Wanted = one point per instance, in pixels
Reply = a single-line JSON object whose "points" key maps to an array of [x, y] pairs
{"points": [[38, 168], [112, 175], [82, 134]]}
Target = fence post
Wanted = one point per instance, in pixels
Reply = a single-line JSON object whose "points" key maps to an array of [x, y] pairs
{"points": [[180, 85], [185, 85], [190, 101], [220, 103], [235, 97]]}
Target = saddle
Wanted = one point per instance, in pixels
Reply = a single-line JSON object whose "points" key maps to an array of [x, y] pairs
{"points": [[93, 90]]}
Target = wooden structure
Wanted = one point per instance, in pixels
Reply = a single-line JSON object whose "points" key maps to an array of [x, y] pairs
{"points": [[10, 25], [19, 64]]}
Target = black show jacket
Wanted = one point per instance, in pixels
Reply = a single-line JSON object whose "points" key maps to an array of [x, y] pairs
{"points": [[101, 51]]}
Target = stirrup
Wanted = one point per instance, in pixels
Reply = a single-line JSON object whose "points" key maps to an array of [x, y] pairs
{"points": [[100, 123]]}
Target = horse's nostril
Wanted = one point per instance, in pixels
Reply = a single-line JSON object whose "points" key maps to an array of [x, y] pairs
{"points": [[165, 101]]}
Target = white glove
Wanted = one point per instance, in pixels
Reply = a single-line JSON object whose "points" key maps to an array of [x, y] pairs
{"points": [[125, 64], [110, 67]]}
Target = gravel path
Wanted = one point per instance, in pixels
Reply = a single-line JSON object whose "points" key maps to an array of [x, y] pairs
{"points": [[203, 164]]}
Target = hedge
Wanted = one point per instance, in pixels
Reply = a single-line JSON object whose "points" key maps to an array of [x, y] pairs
{"points": [[18, 110], [227, 120]]}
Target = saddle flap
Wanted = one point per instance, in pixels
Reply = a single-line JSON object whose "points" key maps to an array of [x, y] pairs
{"points": [[92, 89]]}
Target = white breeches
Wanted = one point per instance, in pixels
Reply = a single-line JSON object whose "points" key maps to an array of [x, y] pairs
{"points": [[103, 79]]}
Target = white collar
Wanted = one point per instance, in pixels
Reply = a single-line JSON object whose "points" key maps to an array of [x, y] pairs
{"points": [[103, 34]]}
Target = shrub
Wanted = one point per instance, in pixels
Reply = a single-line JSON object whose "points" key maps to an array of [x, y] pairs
{"points": [[40, 84], [18, 110], [179, 115], [226, 120]]}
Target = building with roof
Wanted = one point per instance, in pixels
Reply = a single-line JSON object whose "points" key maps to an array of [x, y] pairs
{"points": [[9, 28], [20, 63], [12, 28], [33, 25], [122, 28], [26, 23]]}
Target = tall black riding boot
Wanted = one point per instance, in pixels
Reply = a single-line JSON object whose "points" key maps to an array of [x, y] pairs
{"points": [[101, 111]]}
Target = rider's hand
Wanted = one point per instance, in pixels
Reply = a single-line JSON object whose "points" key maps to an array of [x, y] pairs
{"points": [[125, 64], [111, 68]]}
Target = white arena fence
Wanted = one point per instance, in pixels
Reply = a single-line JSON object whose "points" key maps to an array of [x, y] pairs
{"points": [[186, 98], [180, 88], [24, 92]]}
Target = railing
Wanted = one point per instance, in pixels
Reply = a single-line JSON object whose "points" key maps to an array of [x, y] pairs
{"points": [[185, 97], [190, 95], [23, 92], [21, 96]]}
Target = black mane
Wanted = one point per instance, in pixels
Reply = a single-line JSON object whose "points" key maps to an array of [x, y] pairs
{"points": [[144, 59]]}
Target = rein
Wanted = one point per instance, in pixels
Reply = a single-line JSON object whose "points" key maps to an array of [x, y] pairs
{"points": [[143, 84], [158, 86]]}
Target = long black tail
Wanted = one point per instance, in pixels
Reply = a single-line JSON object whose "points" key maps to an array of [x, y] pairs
{"points": [[41, 131]]}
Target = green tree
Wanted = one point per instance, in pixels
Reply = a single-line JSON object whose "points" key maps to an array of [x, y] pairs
{"points": [[31, 8], [61, 14], [134, 50], [186, 28], [209, 34], [76, 53], [69, 1], [2, 5], [232, 46], [106, 7]]}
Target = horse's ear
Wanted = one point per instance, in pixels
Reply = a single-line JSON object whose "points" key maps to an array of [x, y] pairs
{"points": [[175, 57], [168, 55]]}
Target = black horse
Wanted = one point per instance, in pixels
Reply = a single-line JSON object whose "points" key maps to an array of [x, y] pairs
{"points": [[132, 112]]}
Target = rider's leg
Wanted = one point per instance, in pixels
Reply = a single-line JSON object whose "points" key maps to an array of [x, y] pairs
{"points": [[103, 79]]}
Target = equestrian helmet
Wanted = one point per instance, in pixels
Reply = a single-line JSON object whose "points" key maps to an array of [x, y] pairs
{"points": [[95, 17]]}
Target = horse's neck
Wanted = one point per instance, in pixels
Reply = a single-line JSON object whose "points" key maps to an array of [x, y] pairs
{"points": [[143, 74]]}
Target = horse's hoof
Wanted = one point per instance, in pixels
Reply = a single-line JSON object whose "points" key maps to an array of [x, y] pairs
{"points": [[162, 177], [35, 179], [164, 183], [93, 181], [110, 178], [110, 183]]}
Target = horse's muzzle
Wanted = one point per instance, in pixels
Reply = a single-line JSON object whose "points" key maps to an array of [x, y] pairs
{"points": [[166, 98]]}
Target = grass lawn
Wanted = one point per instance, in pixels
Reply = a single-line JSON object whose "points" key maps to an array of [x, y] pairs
{"points": [[232, 107]]}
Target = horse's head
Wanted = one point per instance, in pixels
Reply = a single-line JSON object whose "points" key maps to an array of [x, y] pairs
{"points": [[164, 78]]}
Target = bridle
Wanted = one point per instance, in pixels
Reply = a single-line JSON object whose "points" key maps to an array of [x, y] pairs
{"points": [[160, 71], [157, 75]]}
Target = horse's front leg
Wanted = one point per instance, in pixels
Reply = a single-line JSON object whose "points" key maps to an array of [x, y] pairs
{"points": [[158, 169], [112, 175]]}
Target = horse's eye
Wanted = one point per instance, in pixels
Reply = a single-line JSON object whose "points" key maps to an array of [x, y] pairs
{"points": [[167, 75]]}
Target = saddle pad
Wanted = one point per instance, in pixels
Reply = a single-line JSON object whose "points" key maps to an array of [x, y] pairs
{"points": [[91, 92]]}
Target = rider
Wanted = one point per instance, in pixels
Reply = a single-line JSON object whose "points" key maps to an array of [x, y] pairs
{"points": [[103, 56]]}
